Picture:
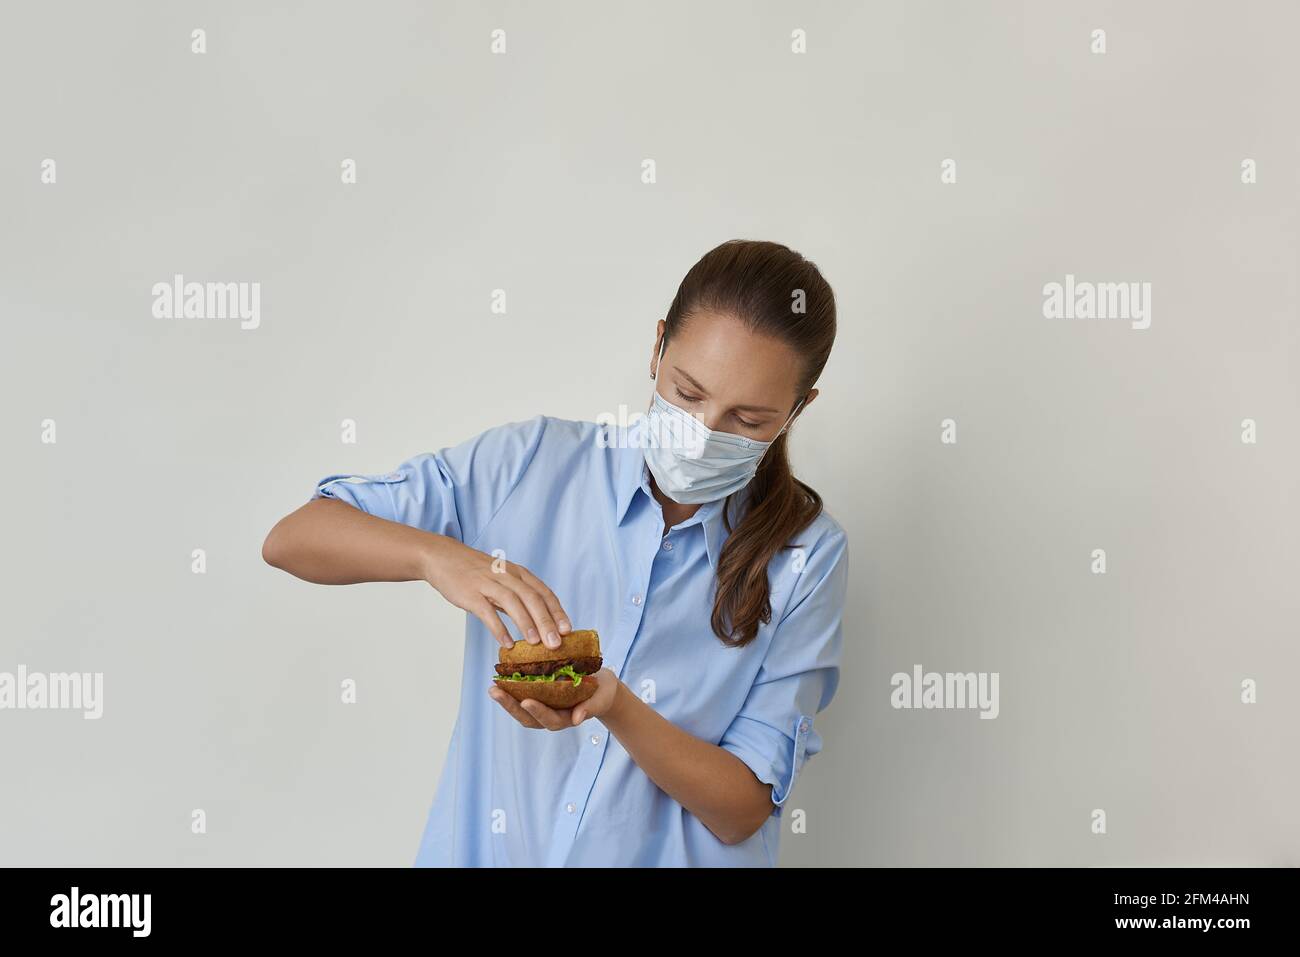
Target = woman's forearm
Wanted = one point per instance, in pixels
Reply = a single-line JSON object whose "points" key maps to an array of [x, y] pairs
{"points": [[331, 543], [709, 781]]}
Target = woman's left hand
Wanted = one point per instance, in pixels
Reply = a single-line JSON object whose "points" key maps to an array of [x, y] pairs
{"points": [[534, 714]]}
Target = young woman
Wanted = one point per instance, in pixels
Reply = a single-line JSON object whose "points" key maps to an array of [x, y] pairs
{"points": [[714, 577]]}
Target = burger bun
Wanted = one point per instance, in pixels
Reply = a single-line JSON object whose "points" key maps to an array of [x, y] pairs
{"points": [[554, 694]]}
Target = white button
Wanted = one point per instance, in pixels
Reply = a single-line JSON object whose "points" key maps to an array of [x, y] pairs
{"points": [[668, 546], [570, 807], [595, 739], [636, 599]]}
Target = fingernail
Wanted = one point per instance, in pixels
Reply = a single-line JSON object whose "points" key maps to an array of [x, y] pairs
{"points": [[565, 626], [507, 642], [553, 639], [532, 634]]}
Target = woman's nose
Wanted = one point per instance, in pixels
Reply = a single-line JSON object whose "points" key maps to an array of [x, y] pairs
{"points": [[712, 419]]}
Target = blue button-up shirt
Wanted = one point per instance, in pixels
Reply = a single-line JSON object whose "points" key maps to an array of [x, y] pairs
{"points": [[571, 502]]}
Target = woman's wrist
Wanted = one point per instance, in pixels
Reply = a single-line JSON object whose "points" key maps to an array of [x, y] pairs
{"points": [[429, 553], [624, 701]]}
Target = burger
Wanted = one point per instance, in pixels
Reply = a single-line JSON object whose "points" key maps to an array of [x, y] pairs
{"points": [[557, 677]]}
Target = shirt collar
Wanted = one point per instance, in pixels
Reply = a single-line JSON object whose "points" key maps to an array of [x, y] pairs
{"points": [[633, 476]]}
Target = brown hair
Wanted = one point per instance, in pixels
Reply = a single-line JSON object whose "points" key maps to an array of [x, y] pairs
{"points": [[776, 292]]}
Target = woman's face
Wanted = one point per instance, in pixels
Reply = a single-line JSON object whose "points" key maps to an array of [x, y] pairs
{"points": [[733, 379]]}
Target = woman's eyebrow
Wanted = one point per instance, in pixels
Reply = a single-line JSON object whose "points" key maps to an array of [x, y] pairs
{"points": [[692, 380]]}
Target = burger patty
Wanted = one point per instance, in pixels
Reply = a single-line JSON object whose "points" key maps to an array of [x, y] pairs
{"points": [[583, 666]]}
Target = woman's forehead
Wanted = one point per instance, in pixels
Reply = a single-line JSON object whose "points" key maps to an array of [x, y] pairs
{"points": [[730, 361]]}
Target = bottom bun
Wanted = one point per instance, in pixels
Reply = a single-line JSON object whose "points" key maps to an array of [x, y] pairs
{"points": [[553, 694]]}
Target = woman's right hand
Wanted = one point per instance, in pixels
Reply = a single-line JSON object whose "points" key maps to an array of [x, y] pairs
{"points": [[483, 586]]}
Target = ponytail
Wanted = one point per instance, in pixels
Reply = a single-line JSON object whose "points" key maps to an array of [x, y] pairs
{"points": [[779, 507]]}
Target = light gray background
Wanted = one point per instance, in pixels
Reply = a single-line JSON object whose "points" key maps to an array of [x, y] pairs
{"points": [[521, 172]]}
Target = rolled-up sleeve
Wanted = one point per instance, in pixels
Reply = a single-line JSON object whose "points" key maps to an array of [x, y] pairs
{"points": [[455, 491], [773, 733]]}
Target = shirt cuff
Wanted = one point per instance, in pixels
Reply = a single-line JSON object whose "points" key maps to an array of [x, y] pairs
{"points": [[775, 756]]}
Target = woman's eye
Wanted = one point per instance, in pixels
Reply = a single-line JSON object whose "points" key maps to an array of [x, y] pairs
{"points": [[694, 398]]}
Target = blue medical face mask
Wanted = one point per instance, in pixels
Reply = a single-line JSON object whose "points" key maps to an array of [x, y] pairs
{"points": [[692, 463]]}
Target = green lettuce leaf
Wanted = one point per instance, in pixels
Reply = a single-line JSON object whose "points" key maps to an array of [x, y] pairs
{"points": [[577, 676]]}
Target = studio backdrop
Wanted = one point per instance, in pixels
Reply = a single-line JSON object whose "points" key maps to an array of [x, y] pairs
{"points": [[1060, 422]]}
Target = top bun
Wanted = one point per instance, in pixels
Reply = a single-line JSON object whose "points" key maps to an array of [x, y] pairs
{"points": [[576, 644]]}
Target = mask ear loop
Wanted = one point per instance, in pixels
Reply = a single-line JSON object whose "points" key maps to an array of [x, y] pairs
{"points": [[654, 391], [779, 434]]}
